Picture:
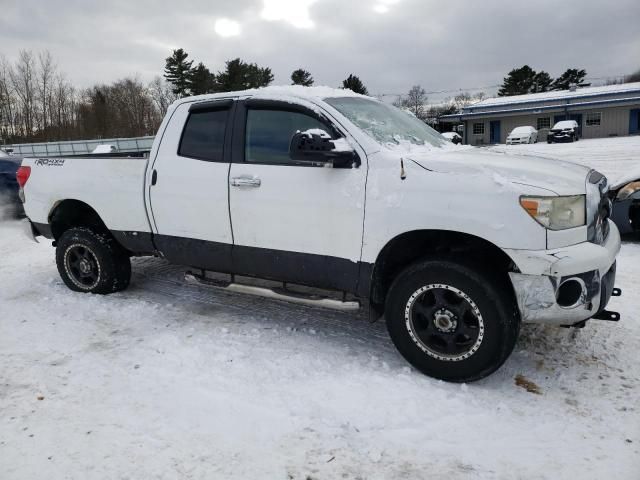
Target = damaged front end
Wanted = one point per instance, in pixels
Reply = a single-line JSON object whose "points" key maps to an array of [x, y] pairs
{"points": [[566, 300]]}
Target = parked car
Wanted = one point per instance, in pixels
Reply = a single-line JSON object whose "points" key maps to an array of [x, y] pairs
{"points": [[625, 197], [453, 137], [522, 135], [330, 189], [564, 131], [10, 204]]}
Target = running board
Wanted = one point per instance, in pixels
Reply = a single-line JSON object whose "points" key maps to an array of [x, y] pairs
{"points": [[279, 293]]}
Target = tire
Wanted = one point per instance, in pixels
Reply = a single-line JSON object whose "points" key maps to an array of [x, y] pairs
{"points": [[483, 320], [92, 262]]}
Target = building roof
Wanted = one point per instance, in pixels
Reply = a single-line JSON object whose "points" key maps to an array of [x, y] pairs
{"points": [[560, 95], [565, 100]]}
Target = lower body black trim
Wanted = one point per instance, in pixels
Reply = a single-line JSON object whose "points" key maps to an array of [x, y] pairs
{"points": [[202, 254], [321, 271], [138, 243]]}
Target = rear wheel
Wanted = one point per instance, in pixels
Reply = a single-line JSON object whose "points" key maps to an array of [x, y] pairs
{"points": [[450, 321], [92, 262]]}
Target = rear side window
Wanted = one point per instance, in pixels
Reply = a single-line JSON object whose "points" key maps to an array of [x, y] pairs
{"points": [[203, 135]]}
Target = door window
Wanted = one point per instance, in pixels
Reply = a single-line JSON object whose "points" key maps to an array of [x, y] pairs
{"points": [[203, 135], [269, 133]]}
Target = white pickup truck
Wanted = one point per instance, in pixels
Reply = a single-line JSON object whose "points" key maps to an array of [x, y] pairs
{"points": [[328, 189]]}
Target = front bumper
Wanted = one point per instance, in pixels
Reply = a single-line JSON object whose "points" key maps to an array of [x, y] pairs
{"points": [[542, 273]]}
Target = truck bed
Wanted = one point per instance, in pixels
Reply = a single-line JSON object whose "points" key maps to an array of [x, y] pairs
{"points": [[112, 185]]}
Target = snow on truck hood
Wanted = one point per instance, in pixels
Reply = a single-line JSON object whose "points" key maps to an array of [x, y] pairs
{"points": [[561, 178]]}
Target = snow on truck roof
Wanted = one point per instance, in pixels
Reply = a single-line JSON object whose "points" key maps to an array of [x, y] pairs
{"points": [[559, 95], [274, 92]]}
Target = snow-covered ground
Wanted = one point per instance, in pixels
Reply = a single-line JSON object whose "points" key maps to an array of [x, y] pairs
{"points": [[173, 380]]}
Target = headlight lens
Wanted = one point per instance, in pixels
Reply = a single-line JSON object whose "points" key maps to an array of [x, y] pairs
{"points": [[628, 190], [557, 213]]}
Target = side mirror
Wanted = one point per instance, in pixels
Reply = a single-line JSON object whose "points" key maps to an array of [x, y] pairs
{"points": [[316, 146]]}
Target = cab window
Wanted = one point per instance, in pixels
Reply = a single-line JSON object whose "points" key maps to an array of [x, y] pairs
{"points": [[269, 133], [203, 135]]}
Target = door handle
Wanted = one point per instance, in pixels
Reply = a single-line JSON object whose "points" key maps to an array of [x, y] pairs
{"points": [[154, 177], [245, 182]]}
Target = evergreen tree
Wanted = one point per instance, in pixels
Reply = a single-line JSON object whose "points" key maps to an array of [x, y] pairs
{"points": [[354, 84], [301, 77], [202, 80], [541, 82], [520, 81], [177, 71], [572, 76], [239, 75]]}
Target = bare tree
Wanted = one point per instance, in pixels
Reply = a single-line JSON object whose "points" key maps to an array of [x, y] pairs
{"points": [[415, 101], [7, 101], [462, 100], [479, 96], [23, 79], [162, 94], [63, 109], [45, 77]]}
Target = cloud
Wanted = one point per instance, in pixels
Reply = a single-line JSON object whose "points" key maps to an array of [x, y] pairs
{"points": [[294, 12], [227, 28], [439, 45]]}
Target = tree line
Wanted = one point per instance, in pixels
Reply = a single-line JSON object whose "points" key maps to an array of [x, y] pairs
{"points": [[186, 79], [39, 103], [524, 80]]}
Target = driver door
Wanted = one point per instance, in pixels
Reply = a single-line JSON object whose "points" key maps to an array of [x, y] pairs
{"points": [[292, 221]]}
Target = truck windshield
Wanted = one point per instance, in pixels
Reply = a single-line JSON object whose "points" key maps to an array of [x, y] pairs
{"points": [[386, 123]]}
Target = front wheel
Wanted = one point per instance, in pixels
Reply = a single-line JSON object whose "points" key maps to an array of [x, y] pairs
{"points": [[450, 321], [92, 262]]}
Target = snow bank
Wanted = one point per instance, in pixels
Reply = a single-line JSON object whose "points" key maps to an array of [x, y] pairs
{"points": [[172, 380]]}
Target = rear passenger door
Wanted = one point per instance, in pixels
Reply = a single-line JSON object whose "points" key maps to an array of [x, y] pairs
{"points": [[188, 192]]}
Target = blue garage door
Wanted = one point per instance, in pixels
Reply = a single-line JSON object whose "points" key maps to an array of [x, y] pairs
{"points": [[634, 121], [494, 131]]}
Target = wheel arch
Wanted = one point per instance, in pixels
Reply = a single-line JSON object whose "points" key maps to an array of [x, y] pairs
{"points": [[70, 213], [412, 246]]}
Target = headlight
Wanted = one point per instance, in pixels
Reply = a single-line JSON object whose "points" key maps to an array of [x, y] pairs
{"points": [[557, 213], [628, 190]]}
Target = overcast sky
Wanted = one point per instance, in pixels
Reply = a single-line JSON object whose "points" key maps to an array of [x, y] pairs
{"points": [[390, 44]]}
